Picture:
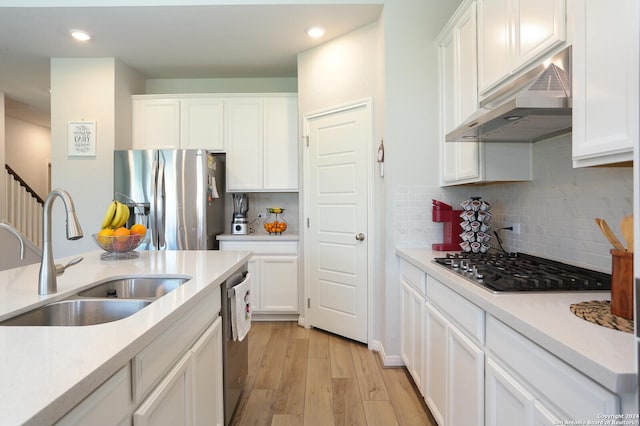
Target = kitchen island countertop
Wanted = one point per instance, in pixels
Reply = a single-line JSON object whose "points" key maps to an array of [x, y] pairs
{"points": [[46, 371], [605, 355]]}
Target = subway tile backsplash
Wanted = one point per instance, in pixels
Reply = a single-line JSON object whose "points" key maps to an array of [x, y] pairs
{"points": [[555, 211]]}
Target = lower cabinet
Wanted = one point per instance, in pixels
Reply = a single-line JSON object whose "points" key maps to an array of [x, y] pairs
{"points": [[527, 383], [454, 388], [509, 403], [274, 268], [191, 393], [412, 340], [176, 380]]}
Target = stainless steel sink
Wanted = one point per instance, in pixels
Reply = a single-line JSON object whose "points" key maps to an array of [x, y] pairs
{"points": [[78, 312], [105, 302], [135, 287]]}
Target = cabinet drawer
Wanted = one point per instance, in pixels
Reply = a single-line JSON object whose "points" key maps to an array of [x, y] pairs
{"points": [[469, 317], [155, 360], [551, 380], [413, 276], [262, 247]]}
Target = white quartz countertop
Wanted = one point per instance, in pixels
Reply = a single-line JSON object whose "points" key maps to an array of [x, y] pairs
{"points": [[258, 237], [607, 356], [46, 371]]}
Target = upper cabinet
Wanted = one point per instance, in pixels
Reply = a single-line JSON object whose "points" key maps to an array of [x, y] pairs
{"points": [[262, 143], [513, 33], [164, 122], [470, 162], [605, 81]]}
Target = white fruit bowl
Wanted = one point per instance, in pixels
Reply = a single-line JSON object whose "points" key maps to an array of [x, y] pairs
{"points": [[118, 247]]}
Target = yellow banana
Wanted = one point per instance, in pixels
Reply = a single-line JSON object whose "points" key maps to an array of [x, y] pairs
{"points": [[117, 218], [109, 215], [125, 217]]}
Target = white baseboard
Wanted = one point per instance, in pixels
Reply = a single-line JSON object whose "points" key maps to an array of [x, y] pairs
{"points": [[387, 360]]}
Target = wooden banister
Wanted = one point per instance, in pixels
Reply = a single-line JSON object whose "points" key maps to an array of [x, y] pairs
{"points": [[24, 184]]}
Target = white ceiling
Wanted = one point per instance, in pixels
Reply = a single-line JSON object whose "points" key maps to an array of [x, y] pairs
{"points": [[162, 42]]}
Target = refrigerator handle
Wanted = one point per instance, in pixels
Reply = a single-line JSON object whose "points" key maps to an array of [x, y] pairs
{"points": [[161, 206], [154, 205]]}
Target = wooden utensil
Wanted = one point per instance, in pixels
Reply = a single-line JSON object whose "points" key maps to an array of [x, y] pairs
{"points": [[626, 227], [608, 233]]}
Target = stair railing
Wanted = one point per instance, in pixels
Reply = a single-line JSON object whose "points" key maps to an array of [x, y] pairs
{"points": [[24, 207]]}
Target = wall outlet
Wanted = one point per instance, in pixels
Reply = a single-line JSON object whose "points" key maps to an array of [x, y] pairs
{"points": [[516, 229]]}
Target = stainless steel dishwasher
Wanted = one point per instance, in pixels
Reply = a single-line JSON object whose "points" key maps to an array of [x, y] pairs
{"points": [[235, 360]]}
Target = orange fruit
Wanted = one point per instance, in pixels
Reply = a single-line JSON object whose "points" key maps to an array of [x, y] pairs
{"points": [[122, 234], [104, 238], [138, 229]]}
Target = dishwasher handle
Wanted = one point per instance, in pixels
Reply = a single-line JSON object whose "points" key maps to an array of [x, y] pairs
{"points": [[234, 280]]}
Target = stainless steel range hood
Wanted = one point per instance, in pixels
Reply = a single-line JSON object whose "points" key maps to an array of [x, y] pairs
{"points": [[533, 107]]}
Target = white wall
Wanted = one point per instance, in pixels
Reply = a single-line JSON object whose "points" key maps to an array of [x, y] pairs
{"points": [[411, 125], [221, 85], [339, 72], [89, 180], [28, 151]]}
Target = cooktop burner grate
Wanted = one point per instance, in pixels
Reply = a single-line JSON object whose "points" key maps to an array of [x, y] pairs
{"points": [[513, 272]]}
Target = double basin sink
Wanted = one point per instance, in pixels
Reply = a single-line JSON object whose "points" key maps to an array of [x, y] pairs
{"points": [[104, 302]]}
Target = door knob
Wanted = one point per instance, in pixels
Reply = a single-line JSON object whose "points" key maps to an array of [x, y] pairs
{"points": [[360, 237]]}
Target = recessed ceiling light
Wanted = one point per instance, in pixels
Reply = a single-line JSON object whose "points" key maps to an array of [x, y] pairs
{"points": [[80, 35], [315, 32]]}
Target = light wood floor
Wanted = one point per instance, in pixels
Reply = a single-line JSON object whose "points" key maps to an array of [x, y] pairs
{"points": [[311, 377]]}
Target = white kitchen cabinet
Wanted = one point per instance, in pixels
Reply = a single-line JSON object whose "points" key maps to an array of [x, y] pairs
{"points": [[179, 122], [202, 124], [275, 283], [509, 403], [523, 378], [454, 371], [470, 162], [512, 34], [605, 82], [191, 393], [459, 97], [207, 377], [170, 402], [454, 358], [435, 389], [262, 143], [110, 404], [412, 328], [156, 123]]}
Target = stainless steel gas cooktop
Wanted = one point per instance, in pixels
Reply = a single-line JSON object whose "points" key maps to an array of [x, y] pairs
{"points": [[519, 272]]}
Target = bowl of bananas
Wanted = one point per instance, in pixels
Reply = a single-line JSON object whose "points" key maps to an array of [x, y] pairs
{"points": [[118, 241]]}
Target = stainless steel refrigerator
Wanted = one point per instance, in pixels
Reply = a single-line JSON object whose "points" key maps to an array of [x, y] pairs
{"points": [[177, 194]]}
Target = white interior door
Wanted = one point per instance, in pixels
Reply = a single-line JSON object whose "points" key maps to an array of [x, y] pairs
{"points": [[336, 238]]}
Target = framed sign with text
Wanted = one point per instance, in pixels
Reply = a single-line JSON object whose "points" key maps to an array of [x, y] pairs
{"points": [[82, 138]]}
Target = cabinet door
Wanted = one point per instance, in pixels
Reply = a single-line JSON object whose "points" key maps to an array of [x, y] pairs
{"points": [[459, 100], [279, 284], [605, 82], [244, 142], [465, 380], [207, 377], [281, 143], [202, 124], [253, 267], [156, 124], [540, 26], [494, 42], [507, 402], [170, 403], [435, 390], [412, 337]]}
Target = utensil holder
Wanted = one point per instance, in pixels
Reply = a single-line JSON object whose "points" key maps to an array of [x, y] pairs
{"points": [[622, 283]]}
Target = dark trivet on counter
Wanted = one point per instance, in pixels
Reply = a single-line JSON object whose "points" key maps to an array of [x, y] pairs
{"points": [[520, 272]]}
